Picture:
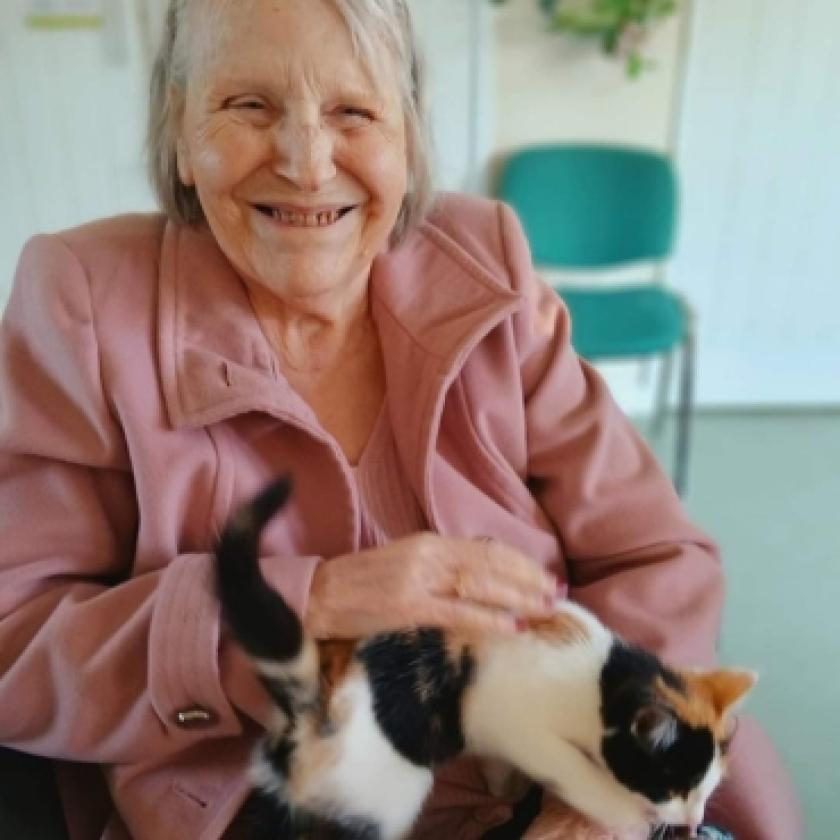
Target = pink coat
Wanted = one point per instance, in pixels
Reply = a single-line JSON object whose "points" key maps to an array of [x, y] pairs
{"points": [[140, 402]]}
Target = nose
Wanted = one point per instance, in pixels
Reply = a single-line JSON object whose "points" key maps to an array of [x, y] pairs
{"points": [[304, 154]]}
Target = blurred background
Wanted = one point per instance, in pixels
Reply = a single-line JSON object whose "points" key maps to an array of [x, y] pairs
{"points": [[740, 100]]}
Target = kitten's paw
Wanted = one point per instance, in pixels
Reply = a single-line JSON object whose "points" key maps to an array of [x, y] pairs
{"points": [[626, 813], [502, 780]]}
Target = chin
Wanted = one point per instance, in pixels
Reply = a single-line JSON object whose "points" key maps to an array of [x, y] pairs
{"points": [[297, 284]]}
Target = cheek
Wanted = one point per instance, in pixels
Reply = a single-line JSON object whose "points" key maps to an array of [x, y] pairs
{"points": [[223, 156], [383, 168]]}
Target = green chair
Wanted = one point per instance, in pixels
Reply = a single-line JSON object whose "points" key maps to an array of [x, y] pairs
{"points": [[587, 207]]}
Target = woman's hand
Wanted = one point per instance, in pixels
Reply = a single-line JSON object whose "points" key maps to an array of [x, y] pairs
{"points": [[465, 585]]}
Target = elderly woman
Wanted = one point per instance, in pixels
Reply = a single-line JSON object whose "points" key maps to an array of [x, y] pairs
{"points": [[299, 307]]}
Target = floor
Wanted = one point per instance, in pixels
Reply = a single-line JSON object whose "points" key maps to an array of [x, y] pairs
{"points": [[767, 487]]}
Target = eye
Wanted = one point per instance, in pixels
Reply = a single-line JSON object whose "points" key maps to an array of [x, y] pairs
{"points": [[354, 114], [247, 104], [726, 741], [250, 110]]}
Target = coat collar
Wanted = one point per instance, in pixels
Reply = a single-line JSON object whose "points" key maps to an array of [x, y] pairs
{"points": [[432, 302]]}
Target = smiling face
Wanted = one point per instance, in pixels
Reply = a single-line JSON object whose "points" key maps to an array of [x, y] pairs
{"points": [[299, 159]]}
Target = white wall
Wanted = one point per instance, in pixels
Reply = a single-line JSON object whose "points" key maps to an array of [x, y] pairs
{"points": [[759, 158], [455, 36], [72, 127]]}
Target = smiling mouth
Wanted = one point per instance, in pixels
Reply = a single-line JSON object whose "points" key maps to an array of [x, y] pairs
{"points": [[295, 218]]}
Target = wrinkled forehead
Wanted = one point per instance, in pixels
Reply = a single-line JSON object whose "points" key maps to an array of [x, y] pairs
{"points": [[221, 34]]}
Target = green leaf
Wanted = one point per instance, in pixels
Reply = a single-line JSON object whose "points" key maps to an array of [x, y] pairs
{"points": [[663, 8], [611, 37], [581, 23], [635, 65]]}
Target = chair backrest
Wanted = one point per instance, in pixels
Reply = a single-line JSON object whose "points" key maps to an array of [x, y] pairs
{"points": [[592, 206]]}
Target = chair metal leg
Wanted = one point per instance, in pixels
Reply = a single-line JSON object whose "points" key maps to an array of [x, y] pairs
{"points": [[663, 389], [685, 412]]}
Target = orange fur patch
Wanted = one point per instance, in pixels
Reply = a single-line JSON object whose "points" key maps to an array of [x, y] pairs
{"points": [[693, 707], [316, 751], [708, 697], [455, 646], [562, 628], [335, 659], [314, 755]]}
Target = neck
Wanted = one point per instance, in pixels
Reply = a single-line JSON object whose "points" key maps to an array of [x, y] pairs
{"points": [[310, 334]]}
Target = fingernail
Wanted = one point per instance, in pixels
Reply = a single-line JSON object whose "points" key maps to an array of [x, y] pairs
{"points": [[522, 625], [562, 589]]}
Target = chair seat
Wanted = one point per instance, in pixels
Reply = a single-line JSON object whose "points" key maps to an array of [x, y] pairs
{"points": [[626, 321]]}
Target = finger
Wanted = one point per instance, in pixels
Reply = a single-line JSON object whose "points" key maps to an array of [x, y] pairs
{"points": [[491, 591], [487, 557], [468, 617]]}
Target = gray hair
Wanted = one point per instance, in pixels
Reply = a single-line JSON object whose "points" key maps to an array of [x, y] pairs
{"points": [[373, 25]]}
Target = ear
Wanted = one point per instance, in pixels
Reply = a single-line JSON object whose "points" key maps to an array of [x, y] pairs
{"points": [[182, 155], [728, 687], [654, 727]]}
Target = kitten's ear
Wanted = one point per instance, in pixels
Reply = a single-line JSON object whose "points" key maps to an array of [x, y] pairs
{"points": [[728, 687], [654, 727]]}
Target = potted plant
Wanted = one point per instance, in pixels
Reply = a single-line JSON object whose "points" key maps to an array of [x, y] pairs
{"points": [[621, 26]]}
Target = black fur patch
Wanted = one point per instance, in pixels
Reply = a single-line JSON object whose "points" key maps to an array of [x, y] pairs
{"points": [[264, 817], [417, 691], [279, 756], [288, 693], [627, 681]]}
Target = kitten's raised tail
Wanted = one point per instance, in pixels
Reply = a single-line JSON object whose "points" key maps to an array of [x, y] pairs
{"points": [[256, 614]]}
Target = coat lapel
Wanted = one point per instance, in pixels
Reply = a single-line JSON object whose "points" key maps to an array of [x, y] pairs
{"points": [[432, 304], [215, 361]]}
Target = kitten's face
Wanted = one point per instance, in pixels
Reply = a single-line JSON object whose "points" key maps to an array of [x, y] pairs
{"points": [[667, 739]]}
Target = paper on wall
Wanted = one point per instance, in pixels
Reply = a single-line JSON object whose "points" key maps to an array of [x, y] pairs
{"points": [[65, 14]]}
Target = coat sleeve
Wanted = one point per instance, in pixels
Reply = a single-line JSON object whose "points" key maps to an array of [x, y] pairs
{"points": [[632, 556], [94, 662]]}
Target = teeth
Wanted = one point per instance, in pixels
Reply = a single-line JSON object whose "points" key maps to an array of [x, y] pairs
{"points": [[327, 217]]}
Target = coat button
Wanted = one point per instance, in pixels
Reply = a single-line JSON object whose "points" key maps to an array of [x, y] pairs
{"points": [[196, 717]]}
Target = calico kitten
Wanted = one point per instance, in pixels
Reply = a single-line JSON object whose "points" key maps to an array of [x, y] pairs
{"points": [[360, 726]]}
